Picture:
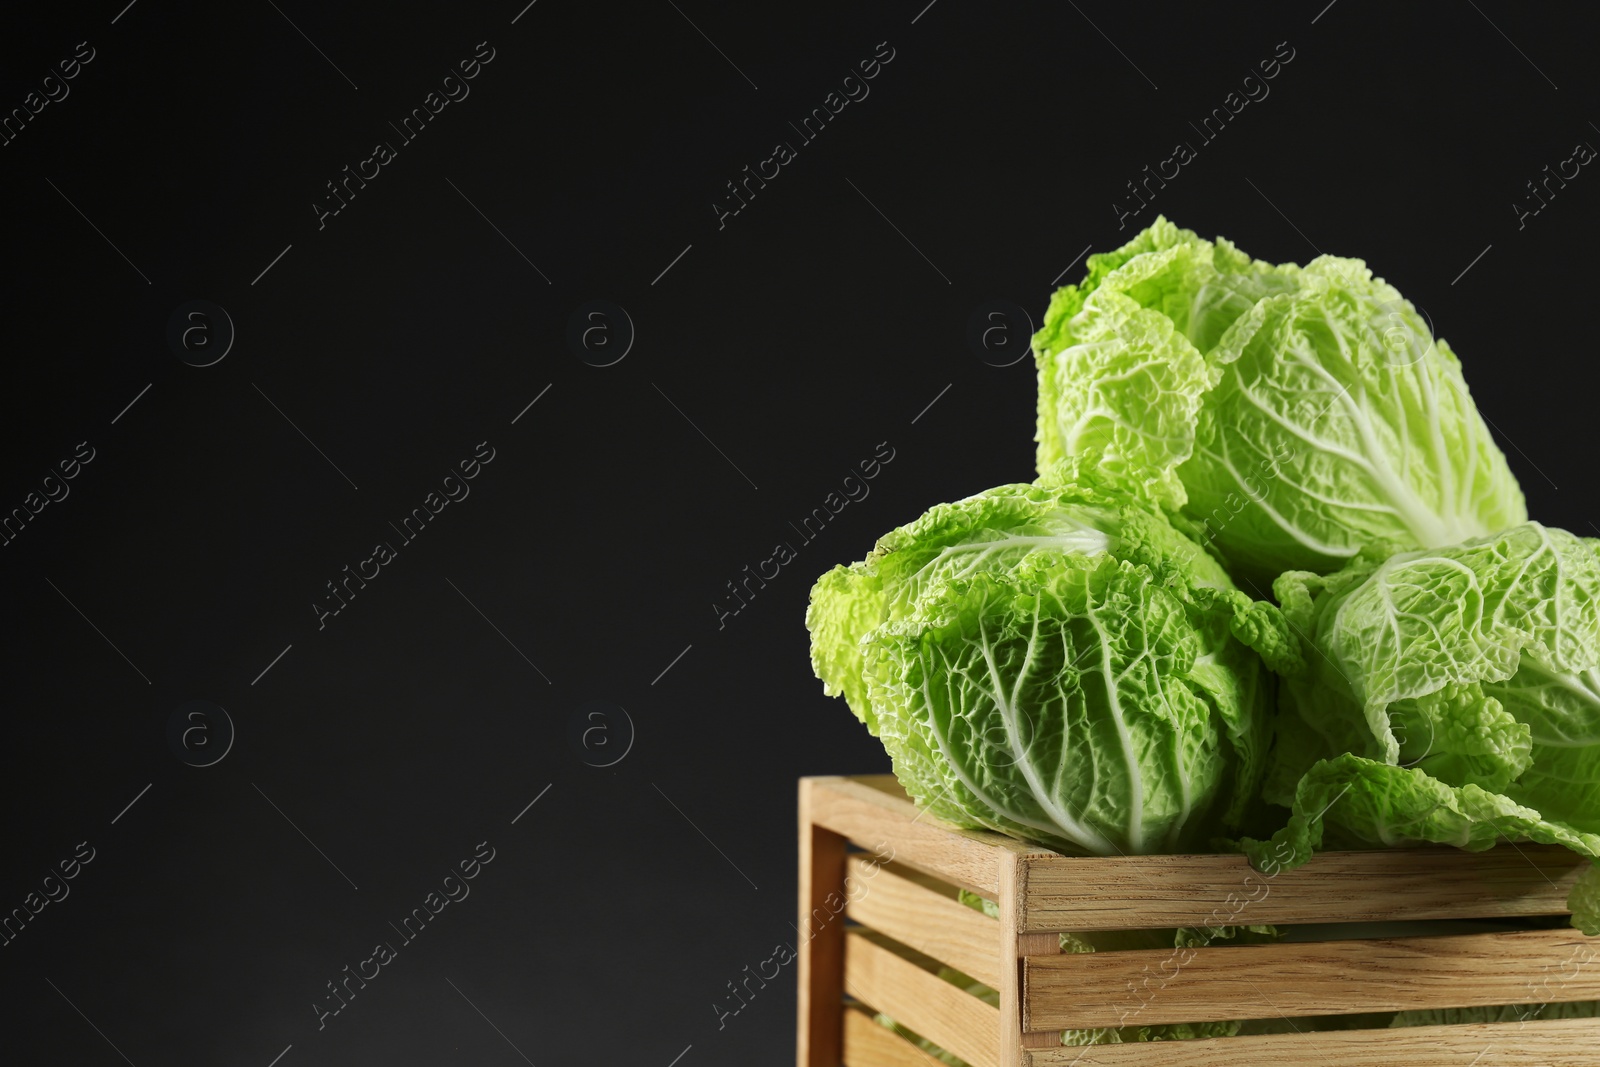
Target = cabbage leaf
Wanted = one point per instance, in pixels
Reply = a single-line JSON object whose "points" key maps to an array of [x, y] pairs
{"points": [[1448, 696], [1059, 664], [1294, 414]]}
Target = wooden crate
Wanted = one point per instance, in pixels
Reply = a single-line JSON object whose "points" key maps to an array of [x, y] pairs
{"points": [[879, 914]]}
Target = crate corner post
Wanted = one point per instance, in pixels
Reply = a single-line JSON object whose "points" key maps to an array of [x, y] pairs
{"points": [[819, 1027], [1017, 944]]}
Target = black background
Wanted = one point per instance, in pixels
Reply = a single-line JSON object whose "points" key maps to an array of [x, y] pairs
{"points": [[797, 338]]}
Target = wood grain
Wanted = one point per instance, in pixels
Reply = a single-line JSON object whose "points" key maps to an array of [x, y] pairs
{"points": [[820, 966], [1040, 892], [1557, 1043], [868, 1043], [873, 811], [905, 990], [1313, 978], [925, 914], [1151, 892], [1013, 1038]]}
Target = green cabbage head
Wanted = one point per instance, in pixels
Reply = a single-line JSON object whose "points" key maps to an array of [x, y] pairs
{"points": [[1446, 695], [1059, 664], [1293, 414]]}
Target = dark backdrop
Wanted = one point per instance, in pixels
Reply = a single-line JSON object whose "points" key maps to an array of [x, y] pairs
{"points": [[569, 605]]}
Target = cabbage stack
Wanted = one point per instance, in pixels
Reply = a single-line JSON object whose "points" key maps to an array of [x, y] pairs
{"points": [[1274, 578]]}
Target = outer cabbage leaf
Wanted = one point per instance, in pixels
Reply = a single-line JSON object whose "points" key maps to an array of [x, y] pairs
{"points": [[1296, 415], [994, 530], [846, 603], [1448, 696], [989, 531], [1584, 901], [1474, 663], [1562, 711], [1058, 663], [1120, 358], [1353, 802], [1059, 704], [1339, 421]]}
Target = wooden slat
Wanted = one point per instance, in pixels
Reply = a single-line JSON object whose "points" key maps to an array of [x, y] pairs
{"points": [[819, 1025], [873, 814], [868, 1043], [1558, 1043], [921, 1001], [1014, 947], [1313, 978], [925, 914], [1151, 892]]}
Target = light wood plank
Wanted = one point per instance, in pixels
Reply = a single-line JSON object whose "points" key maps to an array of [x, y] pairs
{"points": [[1313, 978], [820, 974], [921, 1001], [1557, 1043], [1151, 892], [1015, 946], [868, 1043], [1035, 945], [872, 811], [925, 914]]}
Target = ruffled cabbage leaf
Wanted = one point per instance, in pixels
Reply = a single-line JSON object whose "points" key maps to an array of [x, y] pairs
{"points": [[1294, 414], [1059, 664], [1446, 696]]}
